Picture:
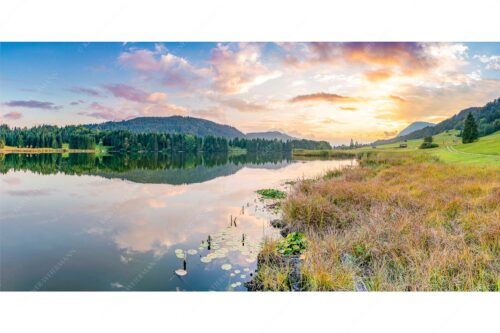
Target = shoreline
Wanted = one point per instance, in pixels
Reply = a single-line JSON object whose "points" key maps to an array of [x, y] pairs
{"points": [[46, 150]]}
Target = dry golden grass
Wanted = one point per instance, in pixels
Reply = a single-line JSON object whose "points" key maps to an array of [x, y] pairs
{"points": [[272, 274], [399, 222]]}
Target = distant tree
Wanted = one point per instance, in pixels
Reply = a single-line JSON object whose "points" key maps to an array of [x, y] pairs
{"points": [[2, 142], [351, 145], [428, 139], [470, 132]]}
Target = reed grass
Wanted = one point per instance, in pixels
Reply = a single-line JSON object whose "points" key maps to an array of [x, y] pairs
{"points": [[398, 222]]}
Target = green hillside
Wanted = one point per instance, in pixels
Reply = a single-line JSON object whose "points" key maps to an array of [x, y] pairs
{"points": [[487, 118], [451, 149]]}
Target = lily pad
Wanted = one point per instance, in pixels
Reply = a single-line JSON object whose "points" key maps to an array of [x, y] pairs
{"points": [[243, 276], [226, 267], [181, 272], [205, 260], [192, 252]]}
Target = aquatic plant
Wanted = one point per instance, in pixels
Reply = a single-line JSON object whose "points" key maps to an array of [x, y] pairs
{"points": [[293, 244], [269, 193]]}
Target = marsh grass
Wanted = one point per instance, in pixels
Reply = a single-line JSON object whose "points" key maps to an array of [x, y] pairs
{"points": [[398, 222]]}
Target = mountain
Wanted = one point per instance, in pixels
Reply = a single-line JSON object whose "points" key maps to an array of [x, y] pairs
{"points": [[179, 124], [173, 124], [487, 117], [271, 135], [415, 127]]}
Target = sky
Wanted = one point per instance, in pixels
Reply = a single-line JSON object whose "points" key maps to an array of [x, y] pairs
{"points": [[322, 91]]}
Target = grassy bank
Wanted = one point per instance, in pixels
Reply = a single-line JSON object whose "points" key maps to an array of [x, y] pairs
{"points": [[401, 221], [324, 153]]}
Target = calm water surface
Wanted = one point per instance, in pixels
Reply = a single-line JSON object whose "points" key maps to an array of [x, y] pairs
{"points": [[81, 222]]}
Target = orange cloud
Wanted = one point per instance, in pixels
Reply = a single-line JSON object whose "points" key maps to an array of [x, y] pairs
{"points": [[397, 99], [322, 97], [388, 58], [348, 108], [378, 75], [242, 105]]}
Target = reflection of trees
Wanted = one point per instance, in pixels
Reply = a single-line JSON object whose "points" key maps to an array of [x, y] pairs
{"points": [[172, 169]]}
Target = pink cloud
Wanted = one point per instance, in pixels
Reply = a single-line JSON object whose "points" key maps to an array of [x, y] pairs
{"points": [[128, 92], [409, 58], [13, 115], [169, 69], [135, 95], [102, 112], [236, 71]]}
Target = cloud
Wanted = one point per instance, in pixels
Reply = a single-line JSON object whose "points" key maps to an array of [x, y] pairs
{"points": [[322, 97], [77, 102], [33, 105], [242, 105], [13, 115], [381, 61], [438, 104], [238, 70], [169, 69], [492, 62], [348, 108], [86, 91], [397, 99], [378, 75], [128, 92], [102, 112], [163, 109], [404, 55], [332, 121]]}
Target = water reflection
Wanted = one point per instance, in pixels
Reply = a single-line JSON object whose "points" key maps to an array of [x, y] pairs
{"points": [[143, 168], [123, 218]]}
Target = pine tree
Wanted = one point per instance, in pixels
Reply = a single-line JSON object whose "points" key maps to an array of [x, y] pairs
{"points": [[470, 132]]}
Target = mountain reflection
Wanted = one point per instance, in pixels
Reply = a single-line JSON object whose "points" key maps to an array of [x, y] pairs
{"points": [[143, 168]]}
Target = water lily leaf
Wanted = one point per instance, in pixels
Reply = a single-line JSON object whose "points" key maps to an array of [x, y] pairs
{"points": [[192, 252], [180, 272], [226, 267], [243, 276], [205, 260]]}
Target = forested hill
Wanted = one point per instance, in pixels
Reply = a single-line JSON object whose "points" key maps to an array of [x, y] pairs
{"points": [[174, 124], [487, 118]]}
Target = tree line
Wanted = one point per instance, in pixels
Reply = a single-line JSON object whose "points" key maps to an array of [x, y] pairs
{"points": [[79, 137]]}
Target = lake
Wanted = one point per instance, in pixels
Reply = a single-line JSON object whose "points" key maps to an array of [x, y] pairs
{"points": [[82, 222]]}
